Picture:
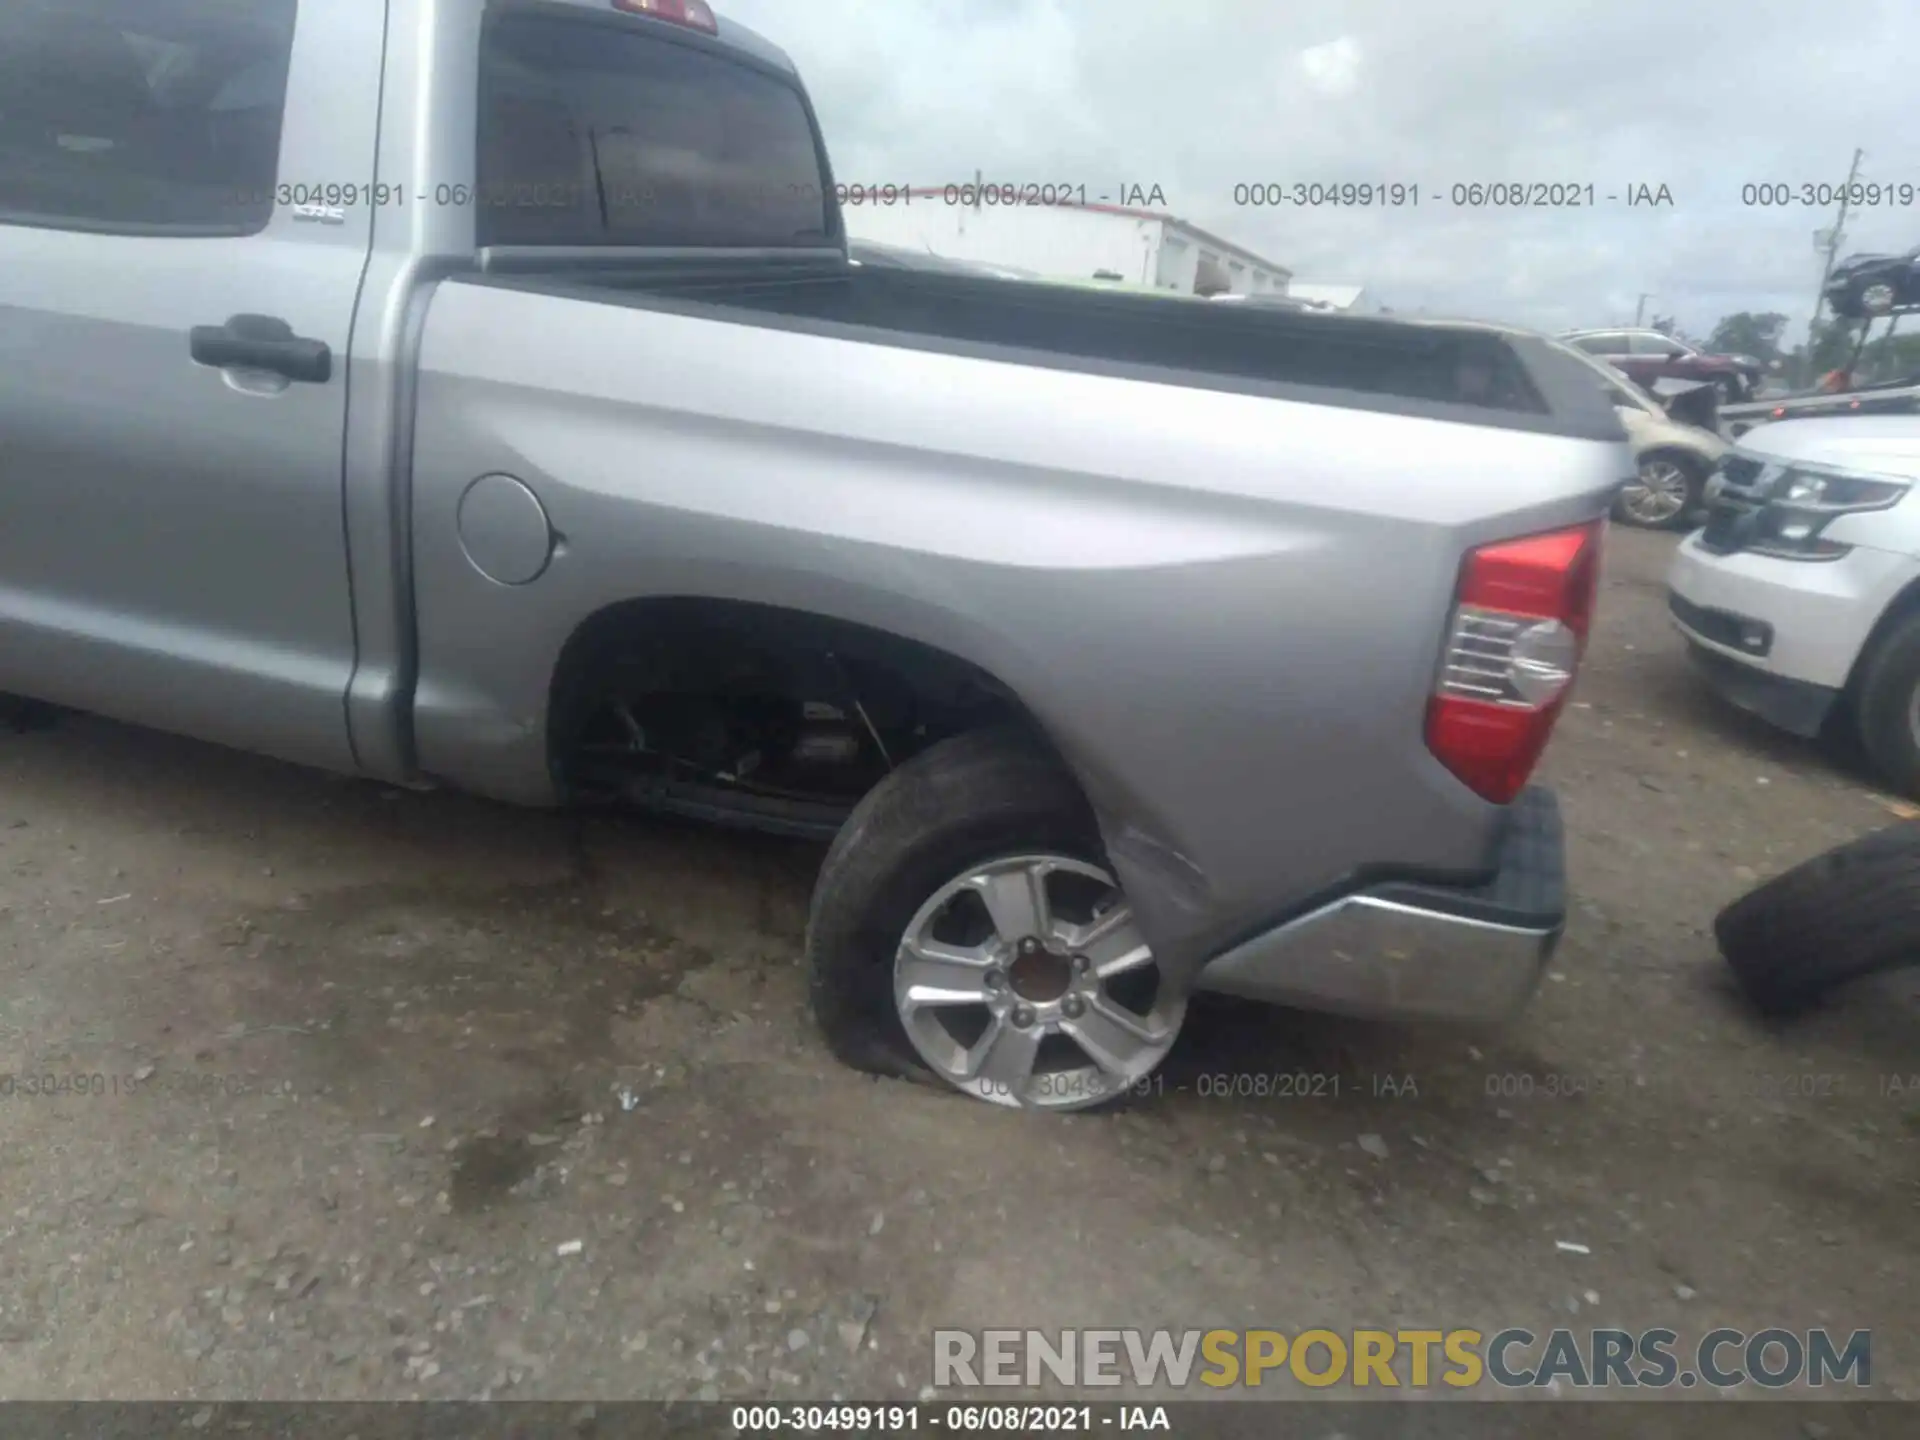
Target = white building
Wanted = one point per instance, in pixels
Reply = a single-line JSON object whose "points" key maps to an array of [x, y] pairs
{"points": [[1067, 242]]}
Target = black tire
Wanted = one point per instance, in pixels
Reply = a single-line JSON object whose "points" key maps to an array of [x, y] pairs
{"points": [[1732, 389], [972, 798], [1849, 304], [1884, 705], [1841, 916], [18, 715]]}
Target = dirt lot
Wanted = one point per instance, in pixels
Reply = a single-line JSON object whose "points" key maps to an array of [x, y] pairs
{"points": [[409, 1095]]}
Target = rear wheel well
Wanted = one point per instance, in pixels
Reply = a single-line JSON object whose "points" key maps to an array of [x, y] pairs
{"points": [[756, 715]]}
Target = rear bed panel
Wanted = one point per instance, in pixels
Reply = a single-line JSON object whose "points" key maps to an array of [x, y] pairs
{"points": [[1226, 608], [1474, 375]]}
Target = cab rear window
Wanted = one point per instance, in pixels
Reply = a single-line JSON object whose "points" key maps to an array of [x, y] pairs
{"points": [[595, 133]]}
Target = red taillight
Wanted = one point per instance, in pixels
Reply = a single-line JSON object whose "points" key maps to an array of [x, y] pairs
{"points": [[1519, 627], [696, 14]]}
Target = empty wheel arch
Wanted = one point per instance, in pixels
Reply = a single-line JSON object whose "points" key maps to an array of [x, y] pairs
{"points": [[755, 715]]}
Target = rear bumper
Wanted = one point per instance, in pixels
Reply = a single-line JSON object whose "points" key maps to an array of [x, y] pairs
{"points": [[1420, 952]]}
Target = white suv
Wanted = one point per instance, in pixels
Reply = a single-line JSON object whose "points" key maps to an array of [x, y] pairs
{"points": [[1803, 589]]}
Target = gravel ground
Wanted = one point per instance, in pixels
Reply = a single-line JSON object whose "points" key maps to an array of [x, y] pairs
{"points": [[406, 1095]]}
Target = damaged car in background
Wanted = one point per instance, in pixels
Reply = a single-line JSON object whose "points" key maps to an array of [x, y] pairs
{"points": [[1676, 445], [1647, 356], [1864, 286]]}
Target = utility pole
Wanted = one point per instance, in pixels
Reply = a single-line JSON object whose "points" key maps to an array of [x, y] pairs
{"points": [[1640, 310], [1833, 246]]}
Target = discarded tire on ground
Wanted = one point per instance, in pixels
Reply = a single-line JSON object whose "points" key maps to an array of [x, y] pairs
{"points": [[1841, 916]]}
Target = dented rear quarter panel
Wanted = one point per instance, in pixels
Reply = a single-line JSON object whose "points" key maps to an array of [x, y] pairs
{"points": [[1225, 609]]}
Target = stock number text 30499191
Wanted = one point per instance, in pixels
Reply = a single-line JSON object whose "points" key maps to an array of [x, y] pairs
{"points": [[1861, 194], [1396, 194], [516, 195], [1275, 194], [884, 1419]]}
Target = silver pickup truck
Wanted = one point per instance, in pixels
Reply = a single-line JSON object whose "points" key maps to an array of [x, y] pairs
{"points": [[480, 395]]}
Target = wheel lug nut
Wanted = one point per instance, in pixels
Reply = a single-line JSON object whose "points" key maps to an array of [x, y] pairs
{"points": [[1081, 964], [1071, 1007], [1022, 1017], [996, 981], [1029, 946]]}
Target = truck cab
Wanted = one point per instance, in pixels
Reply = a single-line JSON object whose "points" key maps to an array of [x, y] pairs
{"points": [[218, 226]]}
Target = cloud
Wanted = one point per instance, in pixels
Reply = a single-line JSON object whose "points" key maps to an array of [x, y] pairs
{"points": [[1703, 97], [1332, 68]]}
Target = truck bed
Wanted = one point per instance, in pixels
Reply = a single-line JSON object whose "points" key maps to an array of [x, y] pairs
{"points": [[1107, 505], [1462, 372]]}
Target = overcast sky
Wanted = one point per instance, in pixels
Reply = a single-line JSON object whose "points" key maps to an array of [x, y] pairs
{"points": [[1199, 95]]}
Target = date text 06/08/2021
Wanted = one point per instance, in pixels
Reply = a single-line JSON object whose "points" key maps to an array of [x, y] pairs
{"points": [[145, 1081], [567, 194], [985, 194], [1224, 1085], [1731, 1086], [910, 1419], [1460, 194], [1501, 1086]]}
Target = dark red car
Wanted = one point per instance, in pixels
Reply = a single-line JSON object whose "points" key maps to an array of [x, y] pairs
{"points": [[1648, 355]]}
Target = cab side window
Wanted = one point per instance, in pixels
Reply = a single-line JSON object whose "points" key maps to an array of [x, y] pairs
{"points": [[156, 117]]}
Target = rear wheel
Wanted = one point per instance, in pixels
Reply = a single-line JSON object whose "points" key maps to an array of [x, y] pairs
{"points": [[966, 926], [1663, 494], [1887, 706]]}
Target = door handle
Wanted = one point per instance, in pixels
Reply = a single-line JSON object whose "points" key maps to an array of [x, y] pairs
{"points": [[261, 342]]}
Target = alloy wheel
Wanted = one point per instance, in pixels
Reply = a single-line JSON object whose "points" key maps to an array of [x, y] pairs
{"points": [[1657, 495], [1026, 982]]}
